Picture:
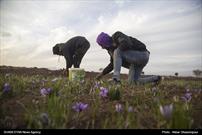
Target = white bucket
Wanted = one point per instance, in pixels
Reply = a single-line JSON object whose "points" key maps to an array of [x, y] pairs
{"points": [[76, 74]]}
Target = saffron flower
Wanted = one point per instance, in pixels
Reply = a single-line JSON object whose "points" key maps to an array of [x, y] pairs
{"points": [[103, 92], [49, 90], [79, 106], [118, 107], [45, 92], [130, 109], [6, 87], [166, 111], [97, 85], [187, 97]]}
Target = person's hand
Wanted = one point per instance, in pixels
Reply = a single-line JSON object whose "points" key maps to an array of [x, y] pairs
{"points": [[98, 77]]}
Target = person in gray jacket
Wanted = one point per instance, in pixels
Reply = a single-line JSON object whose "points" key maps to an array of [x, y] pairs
{"points": [[128, 52], [73, 51]]}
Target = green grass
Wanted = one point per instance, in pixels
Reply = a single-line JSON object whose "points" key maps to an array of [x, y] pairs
{"points": [[24, 104]]}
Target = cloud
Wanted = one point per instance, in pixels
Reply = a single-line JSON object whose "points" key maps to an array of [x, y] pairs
{"points": [[5, 34]]}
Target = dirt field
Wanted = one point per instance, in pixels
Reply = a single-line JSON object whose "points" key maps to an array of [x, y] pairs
{"points": [[46, 72], [13, 107]]}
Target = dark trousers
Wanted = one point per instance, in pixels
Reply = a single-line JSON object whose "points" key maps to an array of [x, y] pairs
{"points": [[79, 53]]}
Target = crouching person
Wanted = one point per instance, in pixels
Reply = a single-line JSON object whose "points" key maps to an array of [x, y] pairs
{"points": [[128, 52], [73, 51]]}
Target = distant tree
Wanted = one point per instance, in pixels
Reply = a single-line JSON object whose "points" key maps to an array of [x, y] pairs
{"points": [[176, 74], [197, 72]]}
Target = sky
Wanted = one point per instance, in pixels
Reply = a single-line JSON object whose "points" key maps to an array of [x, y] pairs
{"points": [[171, 30]]}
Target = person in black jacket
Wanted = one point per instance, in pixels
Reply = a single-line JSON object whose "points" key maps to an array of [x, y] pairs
{"points": [[73, 51], [128, 52]]}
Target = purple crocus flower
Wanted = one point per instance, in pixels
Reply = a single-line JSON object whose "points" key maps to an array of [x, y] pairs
{"points": [[103, 92], [49, 90], [166, 111], [187, 97], [79, 106], [97, 85], [45, 92], [6, 87], [118, 107], [130, 109], [154, 91]]}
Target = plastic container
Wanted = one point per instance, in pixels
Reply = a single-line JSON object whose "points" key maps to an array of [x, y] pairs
{"points": [[76, 74]]}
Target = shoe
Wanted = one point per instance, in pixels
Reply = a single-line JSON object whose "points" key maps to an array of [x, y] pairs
{"points": [[117, 81], [158, 80]]}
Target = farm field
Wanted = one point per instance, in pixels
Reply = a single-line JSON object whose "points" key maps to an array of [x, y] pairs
{"points": [[38, 98]]}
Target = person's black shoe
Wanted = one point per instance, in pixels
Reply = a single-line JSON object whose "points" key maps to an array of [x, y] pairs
{"points": [[117, 81]]}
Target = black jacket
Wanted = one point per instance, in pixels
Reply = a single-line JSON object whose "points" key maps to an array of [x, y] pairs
{"points": [[73, 50], [125, 43]]}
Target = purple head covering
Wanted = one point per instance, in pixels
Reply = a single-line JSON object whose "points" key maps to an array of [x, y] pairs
{"points": [[104, 40]]}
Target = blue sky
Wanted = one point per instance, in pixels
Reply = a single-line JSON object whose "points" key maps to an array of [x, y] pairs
{"points": [[171, 30]]}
